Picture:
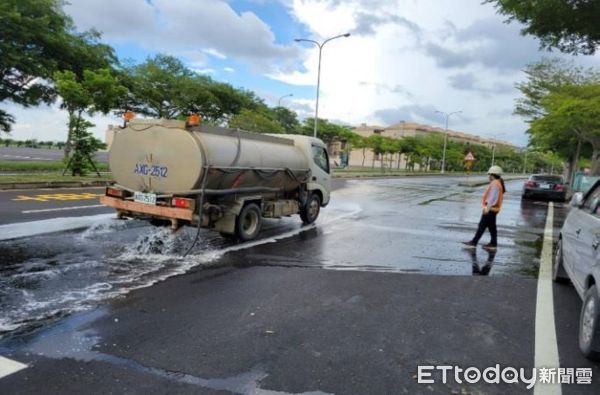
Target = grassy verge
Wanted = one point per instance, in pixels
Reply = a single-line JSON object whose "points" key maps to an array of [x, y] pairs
{"points": [[38, 166]]}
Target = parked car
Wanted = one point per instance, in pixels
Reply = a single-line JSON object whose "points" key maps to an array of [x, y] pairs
{"points": [[577, 258], [545, 186]]}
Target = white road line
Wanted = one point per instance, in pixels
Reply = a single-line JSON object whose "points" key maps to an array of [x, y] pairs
{"points": [[8, 366], [35, 228], [546, 348], [47, 210]]}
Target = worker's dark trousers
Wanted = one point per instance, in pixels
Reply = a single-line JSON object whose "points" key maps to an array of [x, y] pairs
{"points": [[487, 221]]}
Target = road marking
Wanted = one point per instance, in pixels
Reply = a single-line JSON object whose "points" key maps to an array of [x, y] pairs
{"points": [[47, 210], [546, 348], [8, 366], [57, 196], [24, 157], [35, 228]]}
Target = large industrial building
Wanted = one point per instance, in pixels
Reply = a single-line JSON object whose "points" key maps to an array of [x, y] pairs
{"points": [[358, 157]]}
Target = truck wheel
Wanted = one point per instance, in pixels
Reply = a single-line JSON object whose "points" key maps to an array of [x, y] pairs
{"points": [[559, 275], [248, 222], [310, 211], [589, 325]]}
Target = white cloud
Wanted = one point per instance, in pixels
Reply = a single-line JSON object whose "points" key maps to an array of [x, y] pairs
{"points": [[203, 71], [404, 58], [229, 69], [50, 123], [215, 53], [410, 57], [185, 25]]}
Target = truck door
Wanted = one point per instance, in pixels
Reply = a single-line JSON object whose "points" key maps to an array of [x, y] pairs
{"points": [[321, 172]]}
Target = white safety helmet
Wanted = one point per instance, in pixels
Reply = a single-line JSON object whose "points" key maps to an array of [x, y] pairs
{"points": [[497, 170]]}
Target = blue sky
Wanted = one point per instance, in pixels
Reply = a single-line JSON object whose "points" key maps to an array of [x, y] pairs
{"points": [[404, 60], [285, 30]]}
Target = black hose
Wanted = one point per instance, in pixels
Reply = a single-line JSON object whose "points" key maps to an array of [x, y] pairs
{"points": [[200, 212]]}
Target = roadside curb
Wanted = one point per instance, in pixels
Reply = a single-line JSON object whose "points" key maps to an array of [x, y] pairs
{"points": [[384, 175], [474, 184], [53, 184]]}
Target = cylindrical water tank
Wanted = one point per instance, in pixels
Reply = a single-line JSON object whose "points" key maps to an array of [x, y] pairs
{"points": [[164, 157]]}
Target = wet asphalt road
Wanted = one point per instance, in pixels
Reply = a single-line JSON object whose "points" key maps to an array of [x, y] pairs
{"points": [[39, 154], [353, 305], [40, 204]]}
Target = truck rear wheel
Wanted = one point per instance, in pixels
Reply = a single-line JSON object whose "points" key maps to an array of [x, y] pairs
{"points": [[310, 211], [248, 222]]}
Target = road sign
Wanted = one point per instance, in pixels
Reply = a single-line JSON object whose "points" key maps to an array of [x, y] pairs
{"points": [[469, 157]]}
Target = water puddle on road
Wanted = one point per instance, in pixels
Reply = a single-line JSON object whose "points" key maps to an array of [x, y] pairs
{"points": [[47, 277]]}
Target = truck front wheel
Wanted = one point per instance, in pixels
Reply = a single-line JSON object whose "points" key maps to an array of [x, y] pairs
{"points": [[310, 211], [248, 222]]}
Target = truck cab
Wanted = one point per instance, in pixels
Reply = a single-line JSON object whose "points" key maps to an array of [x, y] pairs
{"points": [[316, 150]]}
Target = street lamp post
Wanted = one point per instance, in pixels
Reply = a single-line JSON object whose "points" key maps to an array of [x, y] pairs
{"points": [[447, 115], [283, 97], [495, 141], [320, 45]]}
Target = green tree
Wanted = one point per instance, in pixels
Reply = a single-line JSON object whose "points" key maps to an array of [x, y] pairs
{"points": [[328, 131], [409, 147], [98, 91], [160, 87], [288, 119], [37, 39], [163, 87], [544, 78], [570, 26], [253, 121], [576, 108], [376, 143]]}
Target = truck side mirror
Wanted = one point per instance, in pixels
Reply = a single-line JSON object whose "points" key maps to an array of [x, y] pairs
{"points": [[577, 199]]}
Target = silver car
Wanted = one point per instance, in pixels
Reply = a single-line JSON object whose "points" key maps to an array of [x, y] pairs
{"points": [[577, 258]]}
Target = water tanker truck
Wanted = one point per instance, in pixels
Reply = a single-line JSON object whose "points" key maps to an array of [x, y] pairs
{"points": [[172, 173]]}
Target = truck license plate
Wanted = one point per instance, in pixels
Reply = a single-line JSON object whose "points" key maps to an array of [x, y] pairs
{"points": [[147, 198]]}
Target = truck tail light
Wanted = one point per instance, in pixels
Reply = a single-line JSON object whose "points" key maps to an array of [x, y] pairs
{"points": [[183, 203], [114, 192], [559, 187], [531, 184]]}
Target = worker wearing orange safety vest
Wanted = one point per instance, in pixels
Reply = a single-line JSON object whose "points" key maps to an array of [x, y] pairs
{"points": [[492, 203]]}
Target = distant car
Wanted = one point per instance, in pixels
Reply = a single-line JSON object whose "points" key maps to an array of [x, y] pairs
{"points": [[577, 258], [545, 186]]}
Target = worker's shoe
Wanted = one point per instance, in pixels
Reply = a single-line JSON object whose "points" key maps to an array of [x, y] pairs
{"points": [[469, 244], [490, 247]]}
